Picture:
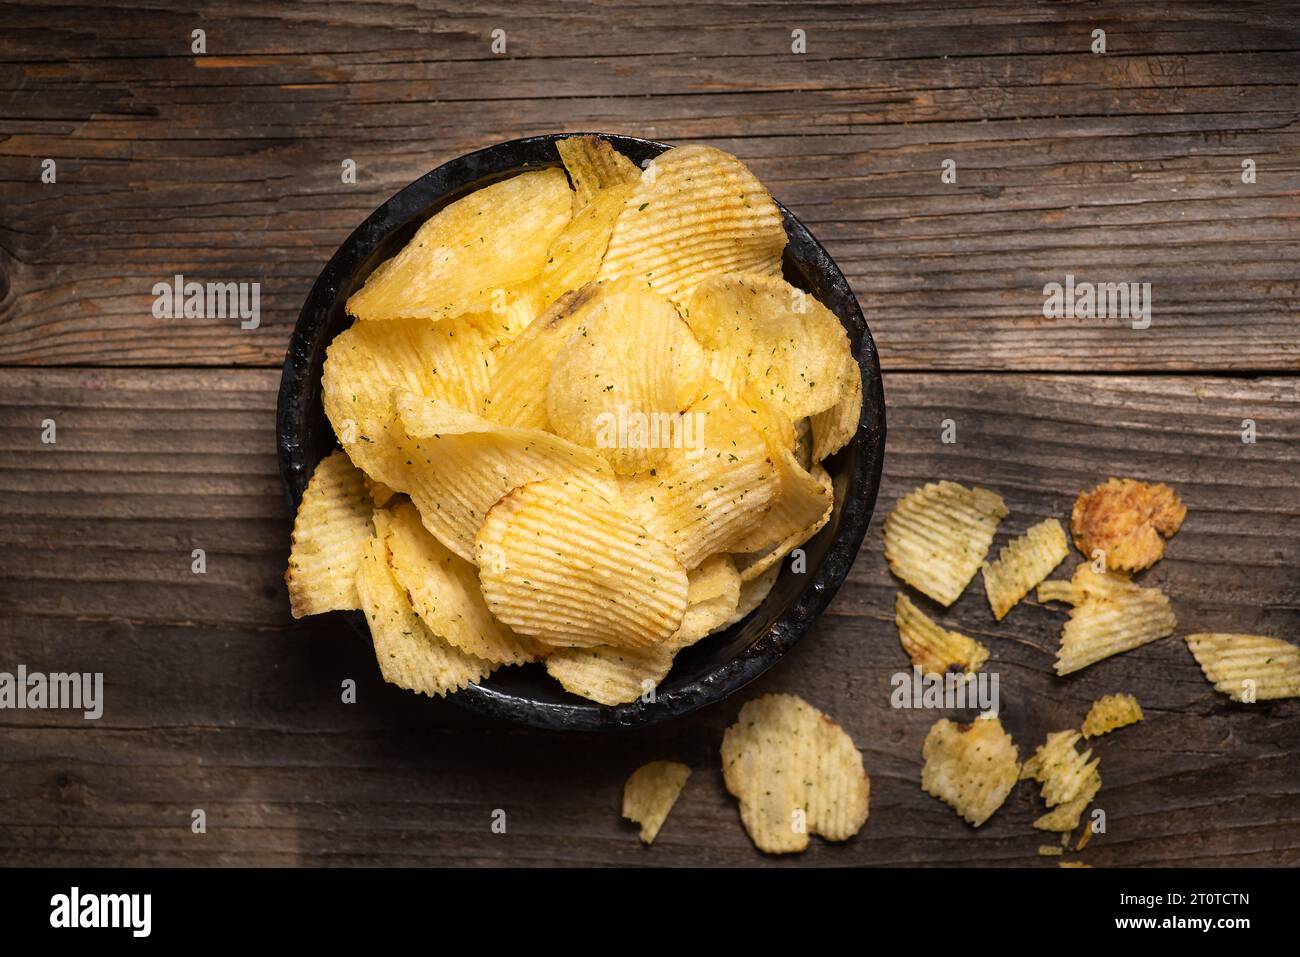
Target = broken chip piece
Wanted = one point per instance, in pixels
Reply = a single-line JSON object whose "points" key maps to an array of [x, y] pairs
{"points": [[1022, 564], [970, 767], [650, 794], [936, 537], [1248, 668], [1110, 712], [933, 649]]}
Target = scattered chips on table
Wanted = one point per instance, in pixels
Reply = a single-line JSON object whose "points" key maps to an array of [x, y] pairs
{"points": [[329, 534], [650, 794], [1100, 627], [1248, 668], [1128, 521], [970, 767], [1022, 564], [933, 649], [1109, 713], [795, 773], [937, 536]]}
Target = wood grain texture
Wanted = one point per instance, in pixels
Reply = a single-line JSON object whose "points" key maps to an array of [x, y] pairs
{"points": [[217, 700], [226, 166]]}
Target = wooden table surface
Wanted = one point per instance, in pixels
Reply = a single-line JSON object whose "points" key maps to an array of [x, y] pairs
{"points": [[1125, 166]]}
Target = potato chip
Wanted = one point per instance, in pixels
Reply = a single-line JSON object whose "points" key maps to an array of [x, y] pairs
{"points": [[1248, 668], [595, 167], [609, 675], [937, 536], [1061, 770], [1022, 564], [712, 596], [1110, 712], [696, 212], [621, 380], [706, 498], [970, 767], [754, 564], [835, 427], [1086, 583], [650, 794], [455, 466], [494, 238], [1101, 627], [443, 589], [803, 444], [752, 594], [933, 649], [574, 257], [380, 493], [1072, 864], [564, 564], [1050, 850], [329, 532], [409, 654], [1065, 817], [795, 772], [1125, 520]]}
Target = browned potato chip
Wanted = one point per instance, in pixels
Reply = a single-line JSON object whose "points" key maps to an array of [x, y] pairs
{"points": [[937, 536], [1125, 519], [1101, 627], [1110, 712], [594, 167], [1248, 668], [933, 649], [1022, 564], [970, 767], [609, 675], [650, 794], [329, 533], [795, 772]]}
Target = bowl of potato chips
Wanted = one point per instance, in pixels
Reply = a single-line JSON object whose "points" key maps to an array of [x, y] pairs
{"points": [[582, 431]]}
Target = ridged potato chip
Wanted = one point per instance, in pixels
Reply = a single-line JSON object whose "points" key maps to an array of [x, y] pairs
{"points": [[1248, 668], [834, 428], [443, 589], [574, 257], [1110, 712], [1086, 583], [1125, 519], [712, 596], [936, 537], [1059, 768], [1101, 627], [609, 675], [933, 649], [566, 565], [754, 564], [696, 212], [775, 339], [1022, 564], [594, 167], [752, 594], [409, 654], [329, 532], [1064, 818], [494, 238], [795, 772], [970, 767], [650, 793]]}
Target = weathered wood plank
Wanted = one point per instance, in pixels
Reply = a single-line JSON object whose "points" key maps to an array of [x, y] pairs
{"points": [[216, 700]]}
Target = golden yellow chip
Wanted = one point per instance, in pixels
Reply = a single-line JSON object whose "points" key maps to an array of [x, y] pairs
{"points": [[409, 654], [379, 492], [1125, 520], [1084, 584], [594, 167], [803, 443], [936, 537], [706, 498], [752, 593], [696, 212], [564, 564], [609, 675], [1110, 712], [620, 381], [1248, 668], [650, 794], [1101, 627], [1050, 850], [970, 767], [776, 339], [574, 257], [456, 465], [443, 589], [1022, 564], [835, 427], [754, 564], [712, 596], [795, 772], [933, 649], [329, 532], [1061, 770], [494, 238], [1064, 818]]}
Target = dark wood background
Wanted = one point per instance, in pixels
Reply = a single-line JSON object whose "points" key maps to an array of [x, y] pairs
{"points": [[226, 167]]}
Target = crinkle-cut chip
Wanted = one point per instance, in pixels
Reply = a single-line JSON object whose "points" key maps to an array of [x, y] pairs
{"points": [[574, 258], [594, 167], [455, 466], [1064, 818], [782, 343], [1059, 768], [506, 313], [409, 654], [609, 675], [380, 493], [936, 537], [696, 212], [620, 381], [752, 593], [1248, 668], [443, 589], [567, 566], [1022, 564], [933, 649], [1110, 712], [1101, 627], [516, 393], [970, 767], [712, 595], [650, 794], [449, 361], [754, 564], [836, 426], [706, 498], [1086, 583], [1126, 519], [795, 772], [329, 532], [803, 443], [494, 238]]}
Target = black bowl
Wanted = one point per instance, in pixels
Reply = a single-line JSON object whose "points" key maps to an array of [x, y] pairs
{"points": [[717, 666]]}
